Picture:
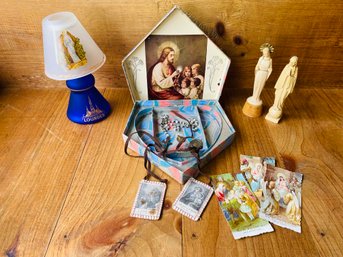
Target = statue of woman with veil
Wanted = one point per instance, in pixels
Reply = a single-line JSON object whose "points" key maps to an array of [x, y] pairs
{"points": [[284, 86], [263, 69]]}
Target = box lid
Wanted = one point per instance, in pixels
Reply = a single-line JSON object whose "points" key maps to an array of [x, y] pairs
{"points": [[176, 60]]}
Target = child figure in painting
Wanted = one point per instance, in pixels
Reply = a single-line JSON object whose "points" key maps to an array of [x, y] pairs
{"points": [[194, 87], [185, 90], [196, 74], [187, 72]]}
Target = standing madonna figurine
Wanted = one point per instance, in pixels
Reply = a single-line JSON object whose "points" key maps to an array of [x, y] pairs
{"points": [[263, 69], [283, 87]]}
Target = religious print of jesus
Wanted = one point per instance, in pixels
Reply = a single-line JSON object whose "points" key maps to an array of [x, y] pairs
{"points": [[176, 66]]}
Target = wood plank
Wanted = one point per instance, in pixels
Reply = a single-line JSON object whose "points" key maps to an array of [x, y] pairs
{"points": [[95, 219], [67, 189], [39, 152], [310, 139], [312, 30]]}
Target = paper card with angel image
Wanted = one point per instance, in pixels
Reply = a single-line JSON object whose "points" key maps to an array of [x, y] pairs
{"points": [[252, 167], [281, 200], [239, 205]]}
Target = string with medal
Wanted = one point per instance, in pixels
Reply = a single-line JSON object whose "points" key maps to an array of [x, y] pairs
{"points": [[149, 198], [161, 149]]}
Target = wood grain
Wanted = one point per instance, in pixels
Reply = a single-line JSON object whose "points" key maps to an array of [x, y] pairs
{"points": [[314, 140], [67, 189], [312, 30], [95, 219], [39, 152]]}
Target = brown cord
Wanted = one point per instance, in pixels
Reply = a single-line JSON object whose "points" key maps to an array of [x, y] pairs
{"points": [[161, 152], [147, 164]]}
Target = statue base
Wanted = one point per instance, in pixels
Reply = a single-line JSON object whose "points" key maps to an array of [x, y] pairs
{"points": [[274, 115], [252, 108]]}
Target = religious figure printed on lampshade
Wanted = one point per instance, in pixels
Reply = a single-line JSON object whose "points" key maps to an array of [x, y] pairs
{"points": [[74, 54]]}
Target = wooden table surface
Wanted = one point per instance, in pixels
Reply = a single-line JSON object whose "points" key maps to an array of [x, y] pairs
{"points": [[67, 189]]}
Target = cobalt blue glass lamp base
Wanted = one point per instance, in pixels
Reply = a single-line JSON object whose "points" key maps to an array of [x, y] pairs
{"points": [[86, 104]]}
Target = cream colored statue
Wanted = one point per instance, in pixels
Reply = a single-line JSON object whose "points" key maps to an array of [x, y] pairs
{"points": [[263, 69], [284, 86]]}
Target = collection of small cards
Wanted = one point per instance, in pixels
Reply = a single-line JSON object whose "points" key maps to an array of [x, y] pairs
{"points": [[262, 193], [249, 200], [278, 191]]}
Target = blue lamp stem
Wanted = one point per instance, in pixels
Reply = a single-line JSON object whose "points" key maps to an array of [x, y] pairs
{"points": [[86, 104]]}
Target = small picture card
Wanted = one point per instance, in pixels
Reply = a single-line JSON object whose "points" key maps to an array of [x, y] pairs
{"points": [[281, 201], [269, 160], [193, 199], [239, 206], [254, 172], [149, 200]]}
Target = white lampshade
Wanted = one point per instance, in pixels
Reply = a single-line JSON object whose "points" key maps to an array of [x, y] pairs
{"points": [[69, 51]]}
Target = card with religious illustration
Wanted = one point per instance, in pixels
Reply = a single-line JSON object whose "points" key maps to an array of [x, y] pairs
{"points": [[193, 199], [281, 200], [252, 167], [149, 200], [239, 205], [269, 160]]}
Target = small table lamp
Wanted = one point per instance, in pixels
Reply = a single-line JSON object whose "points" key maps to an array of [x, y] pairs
{"points": [[71, 54]]}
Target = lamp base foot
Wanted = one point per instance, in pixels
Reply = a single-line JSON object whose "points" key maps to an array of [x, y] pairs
{"points": [[86, 104]]}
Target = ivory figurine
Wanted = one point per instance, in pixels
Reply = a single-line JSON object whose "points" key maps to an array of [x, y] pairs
{"points": [[263, 69], [284, 86]]}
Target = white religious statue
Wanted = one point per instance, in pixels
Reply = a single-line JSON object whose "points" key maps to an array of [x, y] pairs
{"points": [[263, 69], [70, 45], [284, 86]]}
